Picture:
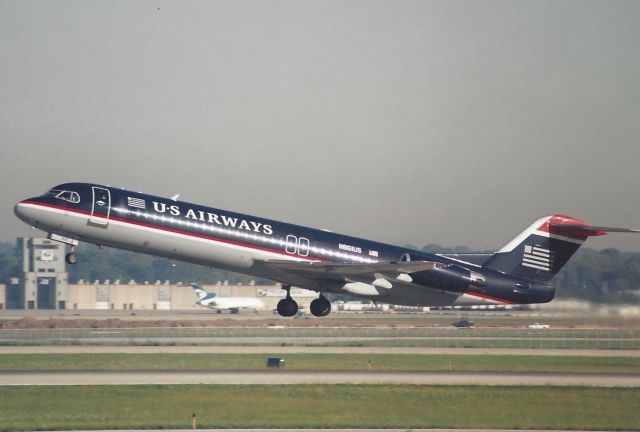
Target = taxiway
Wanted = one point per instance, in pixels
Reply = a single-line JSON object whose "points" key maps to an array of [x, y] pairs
{"points": [[283, 377]]}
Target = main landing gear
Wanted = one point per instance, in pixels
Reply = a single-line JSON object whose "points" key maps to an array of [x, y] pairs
{"points": [[71, 257], [288, 307], [320, 307]]}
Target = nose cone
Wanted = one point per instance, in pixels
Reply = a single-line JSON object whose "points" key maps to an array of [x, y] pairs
{"points": [[24, 212]]}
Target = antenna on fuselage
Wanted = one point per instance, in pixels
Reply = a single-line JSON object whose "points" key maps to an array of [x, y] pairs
{"points": [[175, 197]]}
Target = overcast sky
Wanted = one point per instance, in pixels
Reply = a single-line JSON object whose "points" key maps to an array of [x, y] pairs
{"points": [[453, 122]]}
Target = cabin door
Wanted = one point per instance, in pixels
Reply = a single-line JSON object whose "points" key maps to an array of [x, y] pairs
{"points": [[101, 206]]}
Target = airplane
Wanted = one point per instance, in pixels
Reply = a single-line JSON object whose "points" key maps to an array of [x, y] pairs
{"points": [[318, 260], [231, 304]]}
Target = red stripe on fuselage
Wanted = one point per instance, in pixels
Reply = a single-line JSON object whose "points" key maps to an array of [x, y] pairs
{"points": [[172, 230], [488, 297]]}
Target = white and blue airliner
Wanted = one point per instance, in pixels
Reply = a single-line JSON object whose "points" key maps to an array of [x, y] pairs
{"points": [[325, 262]]}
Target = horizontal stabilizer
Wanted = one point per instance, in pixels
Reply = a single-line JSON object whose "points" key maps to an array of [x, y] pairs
{"points": [[587, 230], [576, 229]]}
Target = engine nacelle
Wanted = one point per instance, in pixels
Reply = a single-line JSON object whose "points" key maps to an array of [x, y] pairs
{"points": [[449, 278]]}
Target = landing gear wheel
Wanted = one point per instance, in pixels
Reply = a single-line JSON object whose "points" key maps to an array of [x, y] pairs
{"points": [[71, 258], [320, 307], [287, 307]]}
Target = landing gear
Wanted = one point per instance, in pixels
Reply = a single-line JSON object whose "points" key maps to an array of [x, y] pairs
{"points": [[71, 257], [320, 307], [287, 307]]}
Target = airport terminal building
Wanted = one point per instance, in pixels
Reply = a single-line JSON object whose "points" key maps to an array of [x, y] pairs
{"points": [[132, 295], [43, 283]]}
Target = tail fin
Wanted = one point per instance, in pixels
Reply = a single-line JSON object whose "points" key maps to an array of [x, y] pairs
{"points": [[540, 251], [202, 294]]}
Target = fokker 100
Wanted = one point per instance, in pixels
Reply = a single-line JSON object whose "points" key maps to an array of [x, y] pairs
{"points": [[318, 260]]}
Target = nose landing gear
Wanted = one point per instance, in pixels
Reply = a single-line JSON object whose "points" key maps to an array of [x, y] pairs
{"points": [[71, 257]]}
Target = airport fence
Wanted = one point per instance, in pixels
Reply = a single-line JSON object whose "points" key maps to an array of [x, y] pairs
{"points": [[617, 339]]}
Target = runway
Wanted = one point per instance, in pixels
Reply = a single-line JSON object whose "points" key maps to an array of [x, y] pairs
{"points": [[333, 430], [91, 349], [280, 377]]}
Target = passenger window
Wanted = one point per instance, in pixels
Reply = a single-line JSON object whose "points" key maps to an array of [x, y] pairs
{"points": [[303, 246], [292, 244]]}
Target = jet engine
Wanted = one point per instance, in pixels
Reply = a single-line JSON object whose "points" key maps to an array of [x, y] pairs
{"points": [[449, 278]]}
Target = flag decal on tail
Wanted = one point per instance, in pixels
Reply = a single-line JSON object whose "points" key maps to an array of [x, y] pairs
{"points": [[537, 258]]}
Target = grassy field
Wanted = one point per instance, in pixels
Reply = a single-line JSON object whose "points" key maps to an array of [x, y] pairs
{"points": [[341, 362], [153, 318], [337, 406]]}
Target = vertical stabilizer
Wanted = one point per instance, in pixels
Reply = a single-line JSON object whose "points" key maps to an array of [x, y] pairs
{"points": [[540, 251], [202, 294]]}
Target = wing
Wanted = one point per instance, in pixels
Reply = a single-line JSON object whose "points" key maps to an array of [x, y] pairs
{"points": [[349, 271]]}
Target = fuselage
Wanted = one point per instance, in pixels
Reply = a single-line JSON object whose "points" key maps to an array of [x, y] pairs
{"points": [[242, 243], [231, 303]]}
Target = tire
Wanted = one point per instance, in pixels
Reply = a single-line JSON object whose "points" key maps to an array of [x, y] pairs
{"points": [[320, 307], [71, 258], [287, 307]]}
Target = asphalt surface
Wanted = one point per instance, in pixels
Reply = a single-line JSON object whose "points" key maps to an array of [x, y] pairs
{"points": [[334, 430], [89, 349], [280, 377]]}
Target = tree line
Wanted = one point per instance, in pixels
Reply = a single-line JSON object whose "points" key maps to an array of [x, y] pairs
{"points": [[606, 276]]}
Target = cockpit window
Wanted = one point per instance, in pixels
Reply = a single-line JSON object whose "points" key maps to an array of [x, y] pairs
{"points": [[70, 196]]}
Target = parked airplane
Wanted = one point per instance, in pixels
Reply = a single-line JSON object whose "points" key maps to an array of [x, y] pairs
{"points": [[325, 262], [231, 304]]}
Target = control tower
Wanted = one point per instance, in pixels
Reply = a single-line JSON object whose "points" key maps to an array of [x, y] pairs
{"points": [[43, 275]]}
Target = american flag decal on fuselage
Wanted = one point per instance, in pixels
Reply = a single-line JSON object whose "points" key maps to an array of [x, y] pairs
{"points": [[136, 203], [537, 258]]}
